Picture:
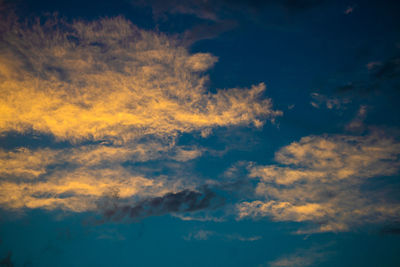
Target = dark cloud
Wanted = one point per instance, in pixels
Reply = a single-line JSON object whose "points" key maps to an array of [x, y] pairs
{"points": [[347, 87], [220, 16], [207, 31], [6, 261], [180, 202], [388, 70], [393, 229], [215, 10], [381, 75]]}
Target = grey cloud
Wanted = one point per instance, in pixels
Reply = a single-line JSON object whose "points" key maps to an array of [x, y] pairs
{"points": [[6, 261], [185, 201], [388, 70], [391, 229], [213, 10], [206, 234], [381, 74]]}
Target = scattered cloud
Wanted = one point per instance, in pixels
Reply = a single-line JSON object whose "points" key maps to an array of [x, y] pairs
{"points": [[382, 74], [301, 258], [206, 235], [320, 100], [320, 178], [199, 235], [373, 64], [349, 10], [387, 70], [357, 124]]}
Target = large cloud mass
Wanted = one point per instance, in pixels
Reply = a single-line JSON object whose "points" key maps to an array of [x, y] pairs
{"points": [[118, 94], [108, 79]]}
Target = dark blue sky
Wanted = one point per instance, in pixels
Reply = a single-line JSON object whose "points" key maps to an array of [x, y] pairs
{"points": [[199, 133]]}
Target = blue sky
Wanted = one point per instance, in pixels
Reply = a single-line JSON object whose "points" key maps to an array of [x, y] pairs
{"points": [[197, 133]]}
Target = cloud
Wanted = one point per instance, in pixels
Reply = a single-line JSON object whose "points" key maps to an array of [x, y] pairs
{"points": [[76, 178], [6, 261], [329, 102], [301, 258], [357, 124], [382, 74], [180, 202], [349, 10], [387, 70], [75, 190], [206, 235], [109, 80], [217, 10], [320, 180], [119, 96], [393, 229], [200, 235], [212, 18], [373, 64]]}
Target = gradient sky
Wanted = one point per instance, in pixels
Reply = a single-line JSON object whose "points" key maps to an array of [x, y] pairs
{"points": [[199, 133]]}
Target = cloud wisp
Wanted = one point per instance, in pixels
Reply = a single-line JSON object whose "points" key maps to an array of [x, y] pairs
{"points": [[302, 258], [203, 235], [320, 179]]}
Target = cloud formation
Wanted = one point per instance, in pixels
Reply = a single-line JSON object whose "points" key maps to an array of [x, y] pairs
{"points": [[118, 95], [179, 202], [107, 79], [320, 100], [320, 180], [76, 178], [302, 258]]}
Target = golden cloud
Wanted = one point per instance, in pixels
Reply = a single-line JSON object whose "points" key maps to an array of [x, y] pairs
{"points": [[320, 181], [107, 79]]}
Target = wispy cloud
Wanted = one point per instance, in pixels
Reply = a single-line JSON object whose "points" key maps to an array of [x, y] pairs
{"points": [[383, 74], [349, 10], [107, 79], [179, 202], [319, 180], [357, 124], [118, 95], [319, 100], [206, 235], [302, 258]]}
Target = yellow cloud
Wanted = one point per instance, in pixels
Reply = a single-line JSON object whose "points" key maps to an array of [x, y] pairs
{"points": [[78, 190], [320, 181], [107, 79], [135, 91]]}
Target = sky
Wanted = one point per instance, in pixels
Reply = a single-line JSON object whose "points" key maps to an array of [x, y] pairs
{"points": [[199, 133]]}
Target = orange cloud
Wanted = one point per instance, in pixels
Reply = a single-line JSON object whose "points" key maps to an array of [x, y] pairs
{"points": [[107, 79], [320, 181]]}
